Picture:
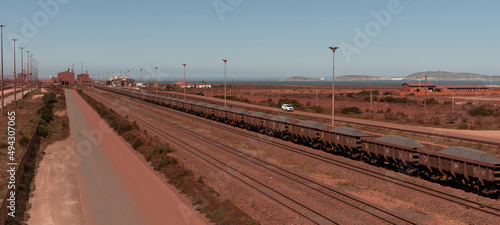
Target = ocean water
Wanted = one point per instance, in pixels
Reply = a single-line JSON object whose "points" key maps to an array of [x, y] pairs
{"points": [[358, 82]]}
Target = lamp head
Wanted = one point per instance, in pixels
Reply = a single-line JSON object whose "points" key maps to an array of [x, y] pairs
{"points": [[333, 48]]}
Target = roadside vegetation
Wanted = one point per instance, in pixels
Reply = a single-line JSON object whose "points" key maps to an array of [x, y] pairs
{"points": [[52, 128], [159, 154]]}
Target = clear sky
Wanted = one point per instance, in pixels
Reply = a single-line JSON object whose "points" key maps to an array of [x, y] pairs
{"points": [[261, 39]]}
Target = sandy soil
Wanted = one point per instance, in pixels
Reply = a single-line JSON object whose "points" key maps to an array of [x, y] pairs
{"points": [[56, 199]]}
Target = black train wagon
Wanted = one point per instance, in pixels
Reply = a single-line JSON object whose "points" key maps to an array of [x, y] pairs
{"points": [[198, 108], [256, 121], [347, 141], [310, 133], [476, 169], [222, 113], [208, 111], [238, 117], [280, 126], [393, 150]]}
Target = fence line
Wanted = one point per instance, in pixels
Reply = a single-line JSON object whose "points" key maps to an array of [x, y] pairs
{"points": [[19, 173]]}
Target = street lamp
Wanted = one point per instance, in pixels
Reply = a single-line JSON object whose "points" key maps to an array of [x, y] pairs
{"points": [[22, 74], [156, 79], [225, 61], [184, 80], [141, 78], [333, 83], [15, 79], [28, 72], [1, 40], [82, 68]]}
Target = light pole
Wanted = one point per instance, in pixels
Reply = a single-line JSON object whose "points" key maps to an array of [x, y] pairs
{"points": [[31, 71], [333, 83], [28, 72], [82, 68], [184, 80], [225, 61], [156, 79], [1, 40], [141, 78], [22, 73], [15, 79]]}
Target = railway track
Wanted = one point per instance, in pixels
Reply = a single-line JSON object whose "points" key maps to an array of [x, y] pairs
{"points": [[381, 214], [396, 181]]}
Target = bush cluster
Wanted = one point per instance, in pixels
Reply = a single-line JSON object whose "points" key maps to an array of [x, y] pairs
{"points": [[396, 100], [353, 109], [482, 111]]}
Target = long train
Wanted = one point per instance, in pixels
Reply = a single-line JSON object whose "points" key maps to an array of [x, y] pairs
{"points": [[465, 166]]}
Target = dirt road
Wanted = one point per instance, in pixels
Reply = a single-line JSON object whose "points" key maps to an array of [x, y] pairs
{"points": [[116, 187]]}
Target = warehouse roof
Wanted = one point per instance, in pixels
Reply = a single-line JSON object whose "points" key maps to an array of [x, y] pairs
{"points": [[349, 131], [470, 153], [398, 140], [308, 123]]}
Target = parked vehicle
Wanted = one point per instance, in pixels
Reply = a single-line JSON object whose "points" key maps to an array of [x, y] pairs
{"points": [[287, 107]]}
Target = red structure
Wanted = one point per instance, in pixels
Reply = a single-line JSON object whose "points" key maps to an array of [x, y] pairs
{"points": [[418, 87], [66, 78], [82, 78]]}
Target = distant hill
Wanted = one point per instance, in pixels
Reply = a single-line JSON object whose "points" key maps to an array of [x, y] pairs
{"points": [[355, 77], [443, 75], [299, 78]]}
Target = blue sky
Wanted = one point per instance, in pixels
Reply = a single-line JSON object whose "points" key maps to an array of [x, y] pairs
{"points": [[260, 39]]}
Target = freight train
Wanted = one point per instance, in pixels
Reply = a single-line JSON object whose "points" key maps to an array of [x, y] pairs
{"points": [[461, 165]]}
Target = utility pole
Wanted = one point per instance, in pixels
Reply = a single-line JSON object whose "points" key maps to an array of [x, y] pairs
{"points": [[141, 78], [184, 80], [28, 72], [333, 84], [15, 77], [22, 74], [425, 94], [156, 80], [1, 40], [225, 61]]}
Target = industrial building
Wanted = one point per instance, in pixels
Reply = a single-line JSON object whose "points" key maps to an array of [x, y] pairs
{"points": [[82, 78], [432, 89], [66, 77]]}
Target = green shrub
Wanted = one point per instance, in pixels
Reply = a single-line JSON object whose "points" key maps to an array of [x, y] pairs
{"points": [[46, 113], [180, 175], [124, 127], [24, 141], [159, 150], [482, 111], [463, 126], [353, 109], [391, 93], [49, 98], [166, 161], [43, 130], [374, 92]]}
